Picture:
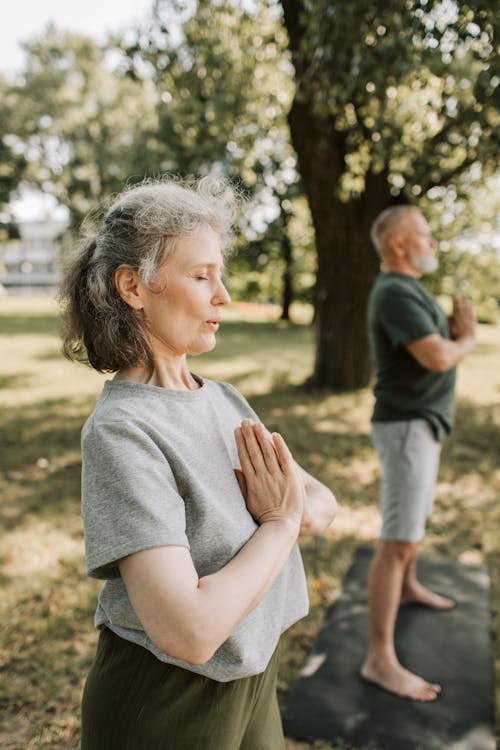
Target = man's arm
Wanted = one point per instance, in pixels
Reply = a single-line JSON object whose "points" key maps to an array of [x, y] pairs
{"points": [[439, 354]]}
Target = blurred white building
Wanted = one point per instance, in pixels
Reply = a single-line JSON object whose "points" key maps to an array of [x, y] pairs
{"points": [[29, 265]]}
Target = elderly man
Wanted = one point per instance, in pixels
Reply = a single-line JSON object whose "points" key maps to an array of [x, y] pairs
{"points": [[416, 350]]}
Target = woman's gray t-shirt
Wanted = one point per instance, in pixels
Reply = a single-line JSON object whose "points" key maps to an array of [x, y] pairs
{"points": [[158, 469]]}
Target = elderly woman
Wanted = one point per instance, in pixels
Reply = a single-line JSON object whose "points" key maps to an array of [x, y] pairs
{"points": [[191, 509]]}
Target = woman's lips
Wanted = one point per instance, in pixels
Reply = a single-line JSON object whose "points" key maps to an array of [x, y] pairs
{"points": [[214, 324]]}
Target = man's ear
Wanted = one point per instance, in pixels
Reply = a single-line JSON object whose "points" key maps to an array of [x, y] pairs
{"points": [[395, 245], [129, 286]]}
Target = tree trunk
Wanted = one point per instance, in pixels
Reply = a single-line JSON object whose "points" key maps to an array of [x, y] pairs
{"points": [[286, 254], [347, 266], [347, 262]]}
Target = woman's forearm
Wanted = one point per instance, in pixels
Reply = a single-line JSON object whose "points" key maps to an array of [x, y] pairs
{"points": [[320, 506], [235, 590], [189, 618]]}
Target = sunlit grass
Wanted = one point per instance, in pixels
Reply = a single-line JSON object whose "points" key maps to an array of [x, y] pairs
{"points": [[46, 603]]}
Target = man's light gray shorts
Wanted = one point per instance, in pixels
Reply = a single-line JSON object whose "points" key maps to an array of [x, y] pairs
{"points": [[409, 457]]}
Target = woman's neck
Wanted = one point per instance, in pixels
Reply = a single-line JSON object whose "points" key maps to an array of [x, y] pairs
{"points": [[175, 376]]}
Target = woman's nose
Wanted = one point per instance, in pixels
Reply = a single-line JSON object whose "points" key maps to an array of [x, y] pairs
{"points": [[222, 296]]}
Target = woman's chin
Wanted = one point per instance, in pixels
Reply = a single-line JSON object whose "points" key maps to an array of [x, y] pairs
{"points": [[202, 347]]}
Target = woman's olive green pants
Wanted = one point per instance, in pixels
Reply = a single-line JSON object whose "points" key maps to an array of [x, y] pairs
{"points": [[133, 701]]}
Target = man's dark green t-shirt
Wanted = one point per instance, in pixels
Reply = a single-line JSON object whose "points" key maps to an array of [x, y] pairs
{"points": [[401, 310]]}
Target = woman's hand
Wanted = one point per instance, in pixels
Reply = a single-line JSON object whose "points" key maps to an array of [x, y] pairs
{"points": [[268, 478]]}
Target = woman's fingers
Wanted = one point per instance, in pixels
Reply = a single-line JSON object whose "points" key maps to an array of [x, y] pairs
{"points": [[245, 460], [283, 453], [268, 478], [267, 448], [259, 450]]}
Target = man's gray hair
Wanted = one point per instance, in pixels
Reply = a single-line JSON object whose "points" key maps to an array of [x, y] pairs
{"points": [[384, 222]]}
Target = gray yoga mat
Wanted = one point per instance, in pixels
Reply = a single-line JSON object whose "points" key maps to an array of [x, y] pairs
{"points": [[329, 701]]}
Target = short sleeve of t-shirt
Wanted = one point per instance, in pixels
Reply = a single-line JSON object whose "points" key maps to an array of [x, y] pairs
{"points": [[130, 499], [405, 317]]}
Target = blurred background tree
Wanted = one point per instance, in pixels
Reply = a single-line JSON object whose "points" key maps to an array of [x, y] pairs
{"points": [[84, 126], [470, 247], [12, 161], [394, 102]]}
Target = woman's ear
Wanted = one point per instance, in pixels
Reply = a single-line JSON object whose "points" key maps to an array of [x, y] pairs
{"points": [[129, 286]]}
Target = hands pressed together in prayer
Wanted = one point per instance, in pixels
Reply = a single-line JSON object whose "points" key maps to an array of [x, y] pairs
{"points": [[269, 478]]}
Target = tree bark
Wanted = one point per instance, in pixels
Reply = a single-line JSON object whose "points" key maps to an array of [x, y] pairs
{"points": [[347, 266], [286, 254]]}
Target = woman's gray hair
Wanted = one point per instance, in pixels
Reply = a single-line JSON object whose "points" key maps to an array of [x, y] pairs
{"points": [[384, 222], [139, 230]]}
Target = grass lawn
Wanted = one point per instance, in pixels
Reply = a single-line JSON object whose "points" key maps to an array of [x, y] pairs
{"points": [[46, 603]]}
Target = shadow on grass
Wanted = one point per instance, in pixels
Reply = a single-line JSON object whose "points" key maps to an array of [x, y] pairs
{"points": [[474, 444], [43, 429], [18, 380], [41, 462], [48, 643], [14, 324]]}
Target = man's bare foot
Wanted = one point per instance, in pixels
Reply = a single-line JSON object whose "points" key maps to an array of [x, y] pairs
{"points": [[396, 679], [423, 596]]}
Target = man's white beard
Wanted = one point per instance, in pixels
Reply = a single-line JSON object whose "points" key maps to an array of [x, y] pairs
{"points": [[425, 264]]}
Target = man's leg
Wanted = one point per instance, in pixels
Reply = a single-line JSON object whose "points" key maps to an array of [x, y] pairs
{"points": [[414, 593], [385, 582], [409, 457], [426, 453]]}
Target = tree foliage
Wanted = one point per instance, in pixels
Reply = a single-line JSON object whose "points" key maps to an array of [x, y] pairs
{"points": [[396, 101], [12, 160], [414, 87], [85, 126]]}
